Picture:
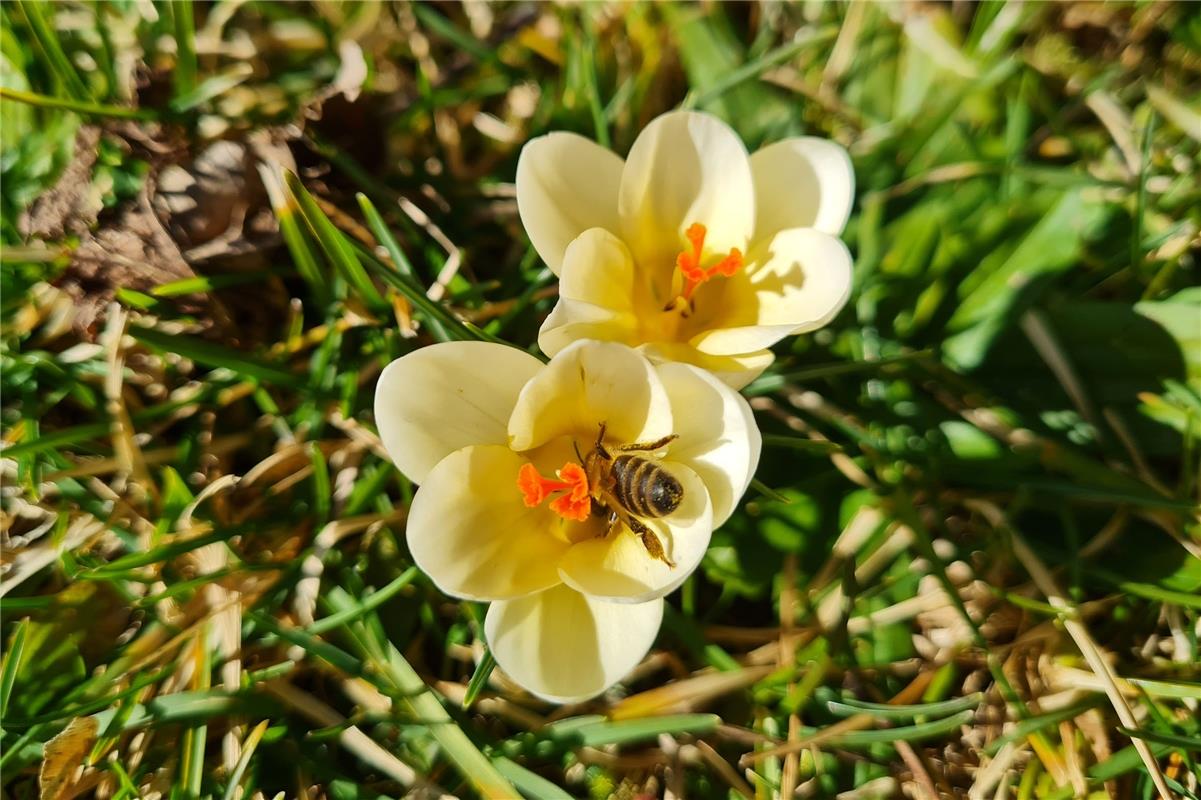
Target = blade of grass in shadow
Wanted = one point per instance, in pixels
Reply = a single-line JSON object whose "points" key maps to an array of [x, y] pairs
{"points": [[212, 87], [479, 679], [47, 41], [12, 660], [384, 236], [84, 107], [846, 707], [1190, 744], [298, 246], [451, 326], [401, 262], [195, 737], [774, 382], [213, 355], [185, 48], [333, 243]]}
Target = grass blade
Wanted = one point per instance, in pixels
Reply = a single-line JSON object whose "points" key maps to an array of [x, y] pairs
{"points": [[12, 662], [479, 678], [333, 242], [213, 355], [530, 784], [248, 747], [185, 48], [84, 107], [294, 238], [593, 733], [848, 707], [47, 41]]}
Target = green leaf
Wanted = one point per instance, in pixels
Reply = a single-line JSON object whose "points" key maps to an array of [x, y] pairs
{"points": [[1052, 247]]}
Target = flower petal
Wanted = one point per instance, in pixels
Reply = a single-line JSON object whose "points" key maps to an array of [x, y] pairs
{"points": [[572, 320], [470, 530], [798, 282], [802, 183], [436, 400], [566, 647], [685, 167], [618, 567], [584, 385], [566, 184], [719, 438], [735, 371], [599, 269], [596, 294]]}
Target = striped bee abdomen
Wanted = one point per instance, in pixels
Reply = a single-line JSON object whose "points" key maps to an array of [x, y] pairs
{"points": [[645, 488]]}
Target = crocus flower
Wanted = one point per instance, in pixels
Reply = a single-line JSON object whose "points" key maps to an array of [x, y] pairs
{"points": [[689, 250], [512, 505]]}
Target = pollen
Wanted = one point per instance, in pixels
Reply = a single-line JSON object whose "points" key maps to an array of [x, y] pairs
{"points": [[689, 261], [573, 502]]}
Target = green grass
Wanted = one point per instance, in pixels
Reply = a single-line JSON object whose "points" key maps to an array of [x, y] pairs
{"points": [[982, 475]]}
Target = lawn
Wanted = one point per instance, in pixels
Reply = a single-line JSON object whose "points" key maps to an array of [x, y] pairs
{"points": [[969, 563]]}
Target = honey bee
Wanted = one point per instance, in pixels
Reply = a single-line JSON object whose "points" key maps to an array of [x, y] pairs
{"points": [[625, 487]]}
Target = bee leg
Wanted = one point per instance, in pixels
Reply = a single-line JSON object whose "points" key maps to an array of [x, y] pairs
{"points": [[649, 540], [658, 444], [613, 520], [599, 448]]}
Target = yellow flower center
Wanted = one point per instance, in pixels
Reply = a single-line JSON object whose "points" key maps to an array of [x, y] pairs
{"points": [[688, 262]]}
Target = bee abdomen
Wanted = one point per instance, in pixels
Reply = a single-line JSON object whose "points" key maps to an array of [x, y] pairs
{"points": [[645, 488]]}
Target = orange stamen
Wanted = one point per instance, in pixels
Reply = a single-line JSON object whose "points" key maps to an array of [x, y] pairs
{"points": [[574, 504], [689, 261]]}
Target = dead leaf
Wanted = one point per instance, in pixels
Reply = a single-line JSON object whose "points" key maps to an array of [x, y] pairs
{"points": [[64, 756], [135, 252], [69, 207]]}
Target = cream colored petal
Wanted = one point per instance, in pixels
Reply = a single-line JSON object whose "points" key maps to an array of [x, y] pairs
{"points": [[685, 167], [572, 320], [584, 385], [735, 371], [596, 294], [566, 647], [719, 438], [436, 400], [618, 566], [470, 531], [566, 184], [798, 282], [802, 183], [599, 269]]}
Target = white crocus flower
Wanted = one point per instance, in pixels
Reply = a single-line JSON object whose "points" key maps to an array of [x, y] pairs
{"points": [[689, 250], [511, 510]]}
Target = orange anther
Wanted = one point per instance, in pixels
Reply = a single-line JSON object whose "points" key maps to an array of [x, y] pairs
{"points": [[728, 265], [689, 262], [573, 504]]}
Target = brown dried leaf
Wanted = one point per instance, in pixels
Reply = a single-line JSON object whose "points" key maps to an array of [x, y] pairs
{"points": [[63, 758], [134, 253], [69, 206]]}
